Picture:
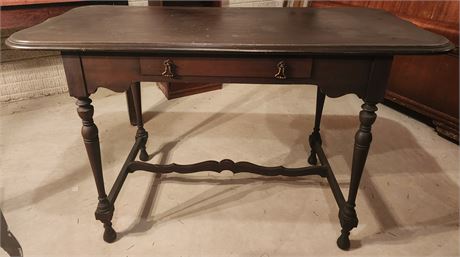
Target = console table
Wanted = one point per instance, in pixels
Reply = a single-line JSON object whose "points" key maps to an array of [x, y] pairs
{"points": [[342, 50]]}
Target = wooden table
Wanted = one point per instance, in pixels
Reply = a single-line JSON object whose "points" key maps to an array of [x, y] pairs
{"points": [[342, 50]]}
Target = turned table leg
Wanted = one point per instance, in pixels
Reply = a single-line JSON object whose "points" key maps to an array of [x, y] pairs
{"points": [[141, 132], [131, 110], [315, 136], [347, 214], [104, 210]]}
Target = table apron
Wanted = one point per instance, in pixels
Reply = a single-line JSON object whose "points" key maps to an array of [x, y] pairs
{"points": [[365, 76]]}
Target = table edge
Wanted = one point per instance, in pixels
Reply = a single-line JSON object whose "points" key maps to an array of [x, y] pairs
{"points": [[261, 49]]}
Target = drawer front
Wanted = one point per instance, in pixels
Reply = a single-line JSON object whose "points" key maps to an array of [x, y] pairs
{"points": [[176, 67]]}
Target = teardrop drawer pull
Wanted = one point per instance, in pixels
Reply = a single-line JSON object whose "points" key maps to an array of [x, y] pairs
{"points": [[168, 72], [281, 70]]}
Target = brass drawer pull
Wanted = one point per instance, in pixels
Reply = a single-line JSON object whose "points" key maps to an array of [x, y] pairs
{"points": [[281, 70], [168, 72]]}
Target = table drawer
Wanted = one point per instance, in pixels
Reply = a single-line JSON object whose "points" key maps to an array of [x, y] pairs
{"points": [[176, 67]]}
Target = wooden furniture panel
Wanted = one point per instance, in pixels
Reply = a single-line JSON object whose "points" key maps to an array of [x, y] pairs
{"points": [[428, 85], [28, 16], [23, 14], [179, 89], [437, 76]]}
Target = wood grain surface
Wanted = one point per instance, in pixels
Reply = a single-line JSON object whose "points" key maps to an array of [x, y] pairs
{"points": [[213, 30]]}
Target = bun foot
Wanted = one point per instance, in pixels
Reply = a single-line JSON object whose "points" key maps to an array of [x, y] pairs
{"points": [[343, 242], [109, 234], [312, 159], [144, 156]]}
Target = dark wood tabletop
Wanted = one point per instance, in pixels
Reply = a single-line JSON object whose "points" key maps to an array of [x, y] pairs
{"points": [[230, 30]]}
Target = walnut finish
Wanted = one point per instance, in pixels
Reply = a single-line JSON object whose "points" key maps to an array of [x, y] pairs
{"points": [[297, 46]]}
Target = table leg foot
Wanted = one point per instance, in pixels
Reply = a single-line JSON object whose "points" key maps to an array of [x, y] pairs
{"points": [[104, 213], [348, 221], [109, 233], [343, 242]]}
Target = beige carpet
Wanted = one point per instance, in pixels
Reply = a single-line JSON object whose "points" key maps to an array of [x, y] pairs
{"points": [[407, 205]]}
